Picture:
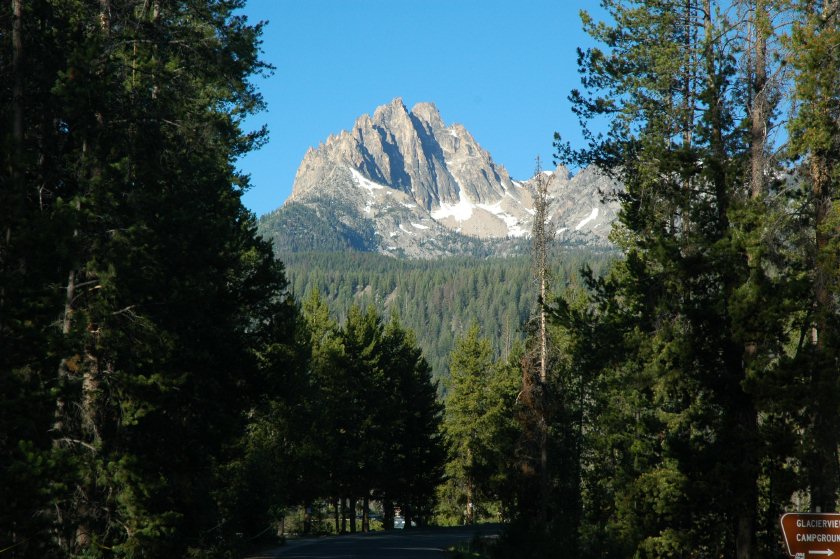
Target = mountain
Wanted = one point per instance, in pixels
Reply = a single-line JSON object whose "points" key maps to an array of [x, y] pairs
{"points": [[402, 182]]}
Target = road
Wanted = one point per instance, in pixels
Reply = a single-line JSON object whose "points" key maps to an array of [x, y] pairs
{"points": [[428, 543]]}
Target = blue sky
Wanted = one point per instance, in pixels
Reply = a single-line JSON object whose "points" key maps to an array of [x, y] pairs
{"points": [[502, 68]]}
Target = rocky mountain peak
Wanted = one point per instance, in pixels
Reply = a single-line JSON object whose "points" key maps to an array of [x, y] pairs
{"points": [[388, 113], [414, 181]]}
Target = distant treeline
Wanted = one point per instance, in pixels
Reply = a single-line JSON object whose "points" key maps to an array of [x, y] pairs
{"points": [[438, 299]]}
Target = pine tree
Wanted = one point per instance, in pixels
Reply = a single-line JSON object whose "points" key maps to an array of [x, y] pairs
{"points": [[32, 247], [667, 81], [412, 465], [375, 416], [328, 400], [471, 367], [815, 139], [535, 385], [123, 152], [365, 433]]}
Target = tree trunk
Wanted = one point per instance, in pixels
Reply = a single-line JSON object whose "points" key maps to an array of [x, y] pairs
{"points": [[388, 514], [824, 469], [351, 507], [366, 512], [759, 109], [688, 78], [307, 519], [105, 16], [17, 125], [540, 238], [17, 81], [469, 515], [408, 515], [823, 475], [746, 490], [91, 389], [745, 521], [63, 366]]}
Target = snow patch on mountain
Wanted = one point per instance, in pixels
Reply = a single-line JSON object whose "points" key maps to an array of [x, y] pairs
{"points": [[365, 182], [593, 215], [462, 211], [514, 227]]}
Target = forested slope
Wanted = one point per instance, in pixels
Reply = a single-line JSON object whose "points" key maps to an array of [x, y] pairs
{"points": [[438, 299]]}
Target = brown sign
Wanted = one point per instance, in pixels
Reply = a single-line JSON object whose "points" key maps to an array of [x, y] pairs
{"points": [[811, 535]]}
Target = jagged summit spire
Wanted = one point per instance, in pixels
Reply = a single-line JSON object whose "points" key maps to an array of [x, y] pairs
{"points": [[428, 113], [388, 111]]}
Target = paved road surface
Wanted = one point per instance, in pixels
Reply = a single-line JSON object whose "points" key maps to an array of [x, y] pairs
{"points": [[398, 544]]}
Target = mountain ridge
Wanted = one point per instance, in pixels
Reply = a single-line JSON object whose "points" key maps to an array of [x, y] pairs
{"points": [[404, 183]]}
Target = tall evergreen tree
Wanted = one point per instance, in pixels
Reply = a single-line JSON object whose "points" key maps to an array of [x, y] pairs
{"points": [[364, 433], [324, 407], [412, 465], [667, 81], [467, 402], [815, 139], [122, 159], [375, 415], [535, 379]]}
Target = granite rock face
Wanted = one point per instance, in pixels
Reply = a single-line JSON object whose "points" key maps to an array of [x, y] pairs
{"points": [[419, 188]]}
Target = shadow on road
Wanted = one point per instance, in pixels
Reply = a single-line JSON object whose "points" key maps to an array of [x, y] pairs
{"points": [[408, 544]]}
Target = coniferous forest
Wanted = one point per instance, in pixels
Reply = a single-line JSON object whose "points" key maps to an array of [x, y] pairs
{"points": [[440, 299], [169, 388], [695, 390], [145, 331]]}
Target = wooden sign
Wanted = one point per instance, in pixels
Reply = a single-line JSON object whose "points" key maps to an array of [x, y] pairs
{"points": [[811, 535]]}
